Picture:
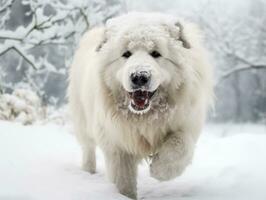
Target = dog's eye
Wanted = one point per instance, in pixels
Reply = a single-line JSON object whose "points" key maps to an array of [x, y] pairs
{"points": [[127, 54], [155, 54]]}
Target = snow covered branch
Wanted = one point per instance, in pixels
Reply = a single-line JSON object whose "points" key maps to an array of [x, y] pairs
{"points": [[38, 39], [51, 30], [238, 69], [246, 65], [21, 53]]}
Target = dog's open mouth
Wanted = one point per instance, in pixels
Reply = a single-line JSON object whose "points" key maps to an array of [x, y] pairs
{"points": [[140, 101]]}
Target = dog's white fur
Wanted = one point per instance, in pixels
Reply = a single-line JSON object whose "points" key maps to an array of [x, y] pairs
{"points": [[99, 79]]}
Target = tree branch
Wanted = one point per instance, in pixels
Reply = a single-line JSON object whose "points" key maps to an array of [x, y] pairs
{"points": [[19, 52], [10, 38], [5, 51], [7, 6], [237, 70], [248, 65], [57, 28], [84, 17], [240, 69]]}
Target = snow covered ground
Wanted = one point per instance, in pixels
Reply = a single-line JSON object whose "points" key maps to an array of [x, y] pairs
{"points": [[41, 162]]}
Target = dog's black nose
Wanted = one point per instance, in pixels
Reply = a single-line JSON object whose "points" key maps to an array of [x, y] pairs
{"points": [[140, 79]]}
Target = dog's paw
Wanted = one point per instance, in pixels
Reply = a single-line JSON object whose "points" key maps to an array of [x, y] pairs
{"points": [[129, 194], [89, 165], [166, 165]]}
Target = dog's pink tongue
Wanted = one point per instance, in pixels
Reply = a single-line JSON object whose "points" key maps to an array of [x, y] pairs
{"points": [[140, 97]]}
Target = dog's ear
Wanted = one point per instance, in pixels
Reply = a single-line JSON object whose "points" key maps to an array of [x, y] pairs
{"points": [[177, 32], [102, 41], [182, 36]]}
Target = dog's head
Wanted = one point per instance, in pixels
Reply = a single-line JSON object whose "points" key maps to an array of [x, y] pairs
{"points": [[146, 68]]}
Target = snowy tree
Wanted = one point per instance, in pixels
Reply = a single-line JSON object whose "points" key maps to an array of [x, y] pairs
{"points": [[40, 46], [238, 42]]}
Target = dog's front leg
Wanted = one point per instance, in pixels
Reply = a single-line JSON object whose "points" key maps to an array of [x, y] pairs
{"points": [[122, 170], [173, 157]]}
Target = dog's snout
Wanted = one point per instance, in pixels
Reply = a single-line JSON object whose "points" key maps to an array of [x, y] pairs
{"points": [[140, 79]]}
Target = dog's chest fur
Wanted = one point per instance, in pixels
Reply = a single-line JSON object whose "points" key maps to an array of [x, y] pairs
{"points": [[142, 139]]}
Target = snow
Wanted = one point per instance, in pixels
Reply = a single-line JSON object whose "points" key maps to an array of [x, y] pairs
{"points": [[43, 162], [22, 105]]}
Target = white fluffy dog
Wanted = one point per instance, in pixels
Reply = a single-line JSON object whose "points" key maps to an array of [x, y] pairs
{"points": [[140, 87]]}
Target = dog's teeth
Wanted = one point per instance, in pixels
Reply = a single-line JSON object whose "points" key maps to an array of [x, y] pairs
{"points": [[139, 112], [133, 102], [146, 101]]}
